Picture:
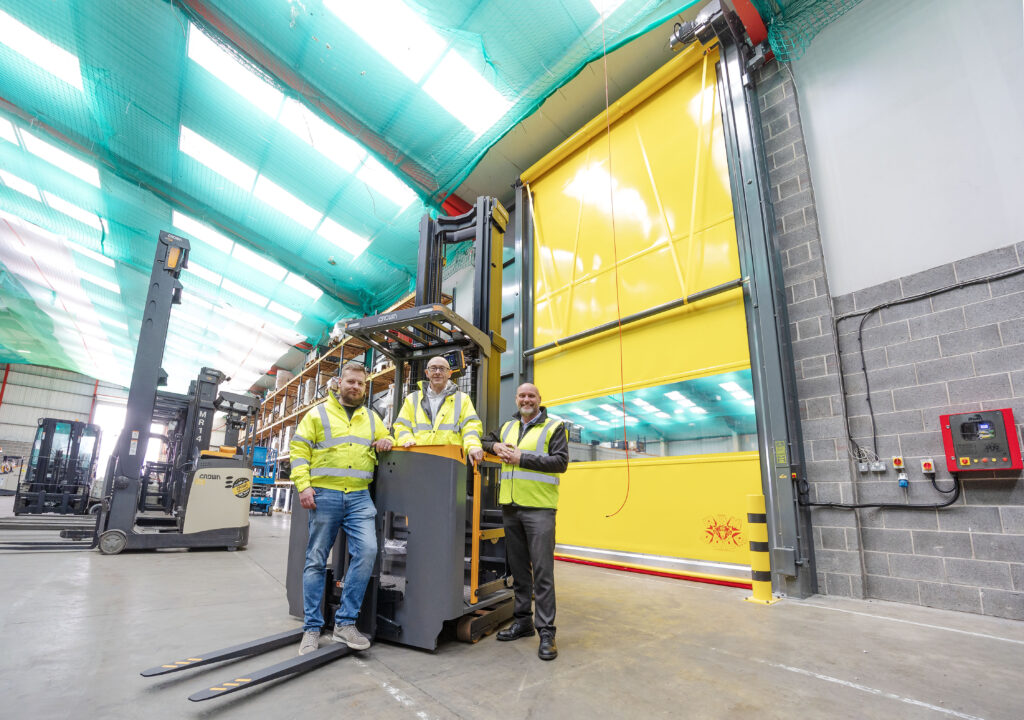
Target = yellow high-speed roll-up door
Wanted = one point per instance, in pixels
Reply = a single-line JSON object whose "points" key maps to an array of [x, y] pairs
{"points": [[632, 212]]}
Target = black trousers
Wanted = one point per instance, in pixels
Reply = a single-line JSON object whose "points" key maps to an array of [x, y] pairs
{"points": [[530, 547]]}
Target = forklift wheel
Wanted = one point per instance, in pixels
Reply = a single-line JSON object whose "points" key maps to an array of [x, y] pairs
{"points": [[112, 542]]}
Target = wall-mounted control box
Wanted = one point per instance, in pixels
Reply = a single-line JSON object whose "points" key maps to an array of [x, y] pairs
{"points": [[985, 440]]}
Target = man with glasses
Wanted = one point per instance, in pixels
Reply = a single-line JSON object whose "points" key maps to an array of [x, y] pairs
{"points": [[438, 413], [332, 457]]}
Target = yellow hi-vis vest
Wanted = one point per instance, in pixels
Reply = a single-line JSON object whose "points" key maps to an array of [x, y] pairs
{"points": [[530, 488], [455, 423], [330, 451]]}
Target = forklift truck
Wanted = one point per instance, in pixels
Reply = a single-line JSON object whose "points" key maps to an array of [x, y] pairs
{"points": [[441, 557]]}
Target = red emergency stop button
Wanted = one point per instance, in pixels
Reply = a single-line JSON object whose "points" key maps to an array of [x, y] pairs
{"points": [[965, 461]]}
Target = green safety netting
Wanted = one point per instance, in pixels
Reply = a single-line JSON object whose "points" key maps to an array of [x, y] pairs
{"points": [[793, 24], [309, 134]]}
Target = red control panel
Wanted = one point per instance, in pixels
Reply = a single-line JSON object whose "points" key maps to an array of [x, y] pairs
{"points": [[985, 440]]}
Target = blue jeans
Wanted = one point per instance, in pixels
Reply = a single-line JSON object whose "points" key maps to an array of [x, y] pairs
{"points": [[352, 512]]}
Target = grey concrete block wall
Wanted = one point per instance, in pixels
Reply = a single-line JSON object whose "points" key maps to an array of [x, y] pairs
{"points": [[950, 351]]}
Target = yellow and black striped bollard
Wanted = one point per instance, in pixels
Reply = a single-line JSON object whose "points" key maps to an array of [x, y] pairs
{"points": [[760, 557]]}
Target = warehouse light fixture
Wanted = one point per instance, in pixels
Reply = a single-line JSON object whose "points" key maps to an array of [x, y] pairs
{"points": [[327, 140], [283, 201], [65, 161], [374, 174], [73, 211], [96, 280], [662, 414], [698, 410], [603, 422], [466, 94], [284, 312], [201, 231], [395, 31], [226, 67], [49, 56], [258, 263], [295, 282], [735, 390], [7, 131], [114, 323], [23, 186], [203, 274], [254, 297], [91, 254], [216, 158], [340, 236]]}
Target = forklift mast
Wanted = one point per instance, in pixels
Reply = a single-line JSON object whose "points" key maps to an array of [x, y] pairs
{"points": [[130, 452]]}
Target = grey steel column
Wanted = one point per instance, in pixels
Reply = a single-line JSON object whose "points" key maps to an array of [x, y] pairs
{"points": [[524, 280], [774, 382]]}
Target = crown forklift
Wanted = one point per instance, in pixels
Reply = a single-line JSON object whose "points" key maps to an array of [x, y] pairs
{"points": [[210, 488], [441, 558]]}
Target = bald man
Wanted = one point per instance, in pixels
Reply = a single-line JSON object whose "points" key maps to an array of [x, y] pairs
{"points": [[534, 450]]}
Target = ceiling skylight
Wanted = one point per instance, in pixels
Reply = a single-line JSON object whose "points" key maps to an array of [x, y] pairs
{"points": [[322, 137], [245, 293], [283, 201], [199, 231], [303, 286], [82, 216], [285, 312], [216, 158], [96, 280], [200, 272], [50, 57], [91, 254], [258, 263], [396, 32], [606, 7], [341, 237], [7, 131], [384, 181], [462, 91], [223, 65], [55, 156], [16, 183]]}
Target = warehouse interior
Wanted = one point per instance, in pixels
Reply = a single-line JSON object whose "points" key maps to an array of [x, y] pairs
{"points": [[759, 257]]}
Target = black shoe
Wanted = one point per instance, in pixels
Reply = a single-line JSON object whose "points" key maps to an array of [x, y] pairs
{"points": [[547, 650], [518, 629]]}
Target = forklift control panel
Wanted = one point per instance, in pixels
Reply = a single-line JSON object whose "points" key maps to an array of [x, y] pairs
{"points": [[985, 440]]}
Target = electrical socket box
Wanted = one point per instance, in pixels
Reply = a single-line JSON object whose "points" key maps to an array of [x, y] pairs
{"points": [[897, 462], [862, 467], [976, 441], [927, 466], [878, 466]]}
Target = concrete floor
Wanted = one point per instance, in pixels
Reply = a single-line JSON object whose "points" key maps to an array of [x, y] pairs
{"points": [[77, 627]]}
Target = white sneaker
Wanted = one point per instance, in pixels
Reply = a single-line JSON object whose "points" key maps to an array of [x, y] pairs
{"points": [[349, 635], [310, 642]]}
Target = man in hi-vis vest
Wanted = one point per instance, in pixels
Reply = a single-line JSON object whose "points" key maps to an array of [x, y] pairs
{"points": [[534, 449], [333, 457], [438, 413]]}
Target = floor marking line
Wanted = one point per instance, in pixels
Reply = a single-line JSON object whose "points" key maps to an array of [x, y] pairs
{"points": [[919, 624]]}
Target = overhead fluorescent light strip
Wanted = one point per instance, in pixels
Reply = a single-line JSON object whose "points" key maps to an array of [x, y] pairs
{"points": [[91, 254], [23, 186], [96, 280], [199, 231], [223, 65], [216, 158], [466, 94], [395, 31], [283, 201], [343, 238], [202, 273], [258, 263], [49, 56], [65, 161], [325, 139], [7, 131], [82, 216]]}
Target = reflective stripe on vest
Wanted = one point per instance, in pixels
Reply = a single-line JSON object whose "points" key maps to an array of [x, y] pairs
{"points": [[520, 474], [342, 472]]}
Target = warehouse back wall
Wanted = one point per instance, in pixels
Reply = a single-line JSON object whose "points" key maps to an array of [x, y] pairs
{"points": [[949, 351]]}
